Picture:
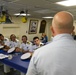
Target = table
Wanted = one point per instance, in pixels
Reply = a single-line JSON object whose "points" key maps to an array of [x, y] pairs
{"points": [[16, 62]]}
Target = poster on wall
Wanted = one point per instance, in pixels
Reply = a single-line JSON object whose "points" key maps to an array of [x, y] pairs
{"points": [[33, 26], [42, 26]]}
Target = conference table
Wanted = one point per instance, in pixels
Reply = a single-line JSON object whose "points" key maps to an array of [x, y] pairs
{"points": [[15, 62]]}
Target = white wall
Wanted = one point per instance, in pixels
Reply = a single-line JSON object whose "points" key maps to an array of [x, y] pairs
{"points": [[18, 28]]}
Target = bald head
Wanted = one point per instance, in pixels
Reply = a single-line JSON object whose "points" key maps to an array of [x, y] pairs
{"points": [[63, 22]]}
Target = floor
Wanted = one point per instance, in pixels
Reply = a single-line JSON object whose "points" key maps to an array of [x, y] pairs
{"points": [[12, 71]]}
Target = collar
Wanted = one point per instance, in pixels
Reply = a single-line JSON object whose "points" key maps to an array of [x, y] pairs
{"points": [[41, 44], [62, 36]]}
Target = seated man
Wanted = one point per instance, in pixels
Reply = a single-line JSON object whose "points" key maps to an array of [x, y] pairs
{"points": [[4, 42], [13, 41], [37, 44], [25, 45]]}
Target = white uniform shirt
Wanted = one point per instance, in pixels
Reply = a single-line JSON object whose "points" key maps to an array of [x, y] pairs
{"points": [[55, 58], [34, 47], [25, 46], [6, 41], [14, 44]]}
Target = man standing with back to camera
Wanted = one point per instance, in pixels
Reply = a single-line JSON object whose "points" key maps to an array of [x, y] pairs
{"points": [[59, 56]]}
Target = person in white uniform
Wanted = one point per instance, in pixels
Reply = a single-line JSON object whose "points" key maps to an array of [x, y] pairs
{"points": [[4, 40], [25, 45], [14, 42], [59, 56], [36, 44]]}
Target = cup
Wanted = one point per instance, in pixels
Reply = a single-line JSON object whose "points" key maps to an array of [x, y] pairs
{"points": [[10, 56]]}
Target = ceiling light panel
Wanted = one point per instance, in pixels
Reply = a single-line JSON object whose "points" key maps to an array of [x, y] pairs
{"points": [[67, 3], [48, 17]]}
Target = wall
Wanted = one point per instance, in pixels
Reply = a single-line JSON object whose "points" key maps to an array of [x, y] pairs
{"points": [[18, 28], [75, 26]]}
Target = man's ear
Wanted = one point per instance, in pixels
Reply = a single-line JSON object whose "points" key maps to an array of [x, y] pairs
{"points": [[52, 30], [73, 28]]}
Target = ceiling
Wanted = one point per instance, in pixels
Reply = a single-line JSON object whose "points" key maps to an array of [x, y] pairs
{"points": [[37, 8]]}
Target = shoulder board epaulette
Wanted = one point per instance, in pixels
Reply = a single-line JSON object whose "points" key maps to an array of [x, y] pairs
{"points": [[28, 42], [41, 44]]}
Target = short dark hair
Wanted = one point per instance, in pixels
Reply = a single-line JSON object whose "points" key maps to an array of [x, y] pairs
{"points": [[35, 38], [24, 36], [1, 34], [12, 35]]}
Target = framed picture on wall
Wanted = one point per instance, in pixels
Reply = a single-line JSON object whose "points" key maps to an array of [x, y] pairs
{"points": [[33, 26], [42, 26]]}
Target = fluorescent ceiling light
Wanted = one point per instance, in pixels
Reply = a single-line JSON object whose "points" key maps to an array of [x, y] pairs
{"points": [[18, 14], [24, 14], [48, 17], [67, 3]]}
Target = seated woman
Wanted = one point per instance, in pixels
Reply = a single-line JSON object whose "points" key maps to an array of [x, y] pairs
{"points": [[44, 38]]}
